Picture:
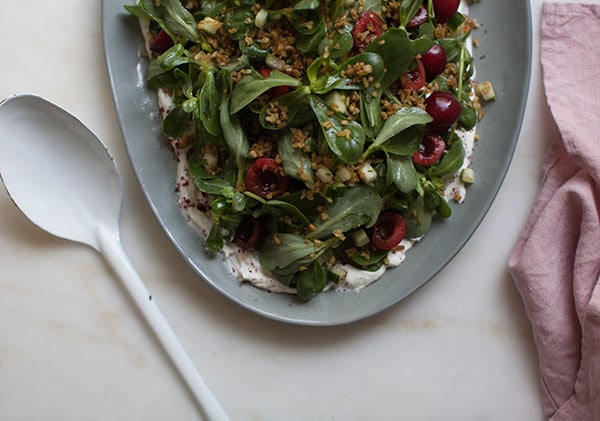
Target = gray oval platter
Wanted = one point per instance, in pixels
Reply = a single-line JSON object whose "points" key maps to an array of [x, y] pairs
{"points": [[504, 57]]}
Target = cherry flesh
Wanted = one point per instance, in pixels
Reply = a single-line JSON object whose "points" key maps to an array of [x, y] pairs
{"points": [[161, 43], [368, 26], [430, 150], [388, 231], [444, 108], [414, 80], [265, 178], [418, 19], [249, 233]]}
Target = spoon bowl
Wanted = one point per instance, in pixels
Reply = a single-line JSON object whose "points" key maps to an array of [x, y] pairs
{"points": [[56, 171], [64, 180]]}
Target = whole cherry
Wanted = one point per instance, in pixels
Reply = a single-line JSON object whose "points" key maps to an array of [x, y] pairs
{"points": [[444, 108], [445, 9], [434, 61]]}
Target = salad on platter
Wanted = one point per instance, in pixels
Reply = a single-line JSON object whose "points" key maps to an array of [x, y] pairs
{"points": [[317, 141]]}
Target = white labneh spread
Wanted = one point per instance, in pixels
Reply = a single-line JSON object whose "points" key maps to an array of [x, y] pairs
{"points": [[244, 264]]}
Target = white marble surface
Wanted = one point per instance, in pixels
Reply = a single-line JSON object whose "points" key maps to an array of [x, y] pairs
{"points": [[72, 347]]}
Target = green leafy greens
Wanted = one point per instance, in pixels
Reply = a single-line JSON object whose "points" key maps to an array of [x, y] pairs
{"points": [[285, 80]]}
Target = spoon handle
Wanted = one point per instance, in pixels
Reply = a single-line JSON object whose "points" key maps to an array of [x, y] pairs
{"points": [[111, 248]]}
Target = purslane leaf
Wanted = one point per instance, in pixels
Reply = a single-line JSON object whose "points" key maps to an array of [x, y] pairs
{"points": [[215, 185], [147, 9], [239, 21], [405, 143], [358, 206], [308, 43], [338, 42], [253, 85], [346, 139], [175, 122], [179, 20], [417, 218], [292, 103], [311, 281], [234, 135], [396, 123], [402, 173], [339, 77], [370, 115], [279, 208], [208, 105], [451, 161], [408, 9], [296, 163], [283, 249], [395, 47]]}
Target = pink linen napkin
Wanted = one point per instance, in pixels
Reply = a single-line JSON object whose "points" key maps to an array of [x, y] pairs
{"points": [[556, 262]]}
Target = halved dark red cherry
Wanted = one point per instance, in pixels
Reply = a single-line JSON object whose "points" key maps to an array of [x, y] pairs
{"points": [[265, 178], [414, 80], [434, 61], [276, 91], [445, 9], [161, 43], [264, 71], [444, 108], [430, 150], [249, 233], [388, 231], [418, 19], [368, 26]]}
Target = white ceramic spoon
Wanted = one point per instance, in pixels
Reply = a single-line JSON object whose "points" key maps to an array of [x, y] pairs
{"points": [[62, 178]]}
